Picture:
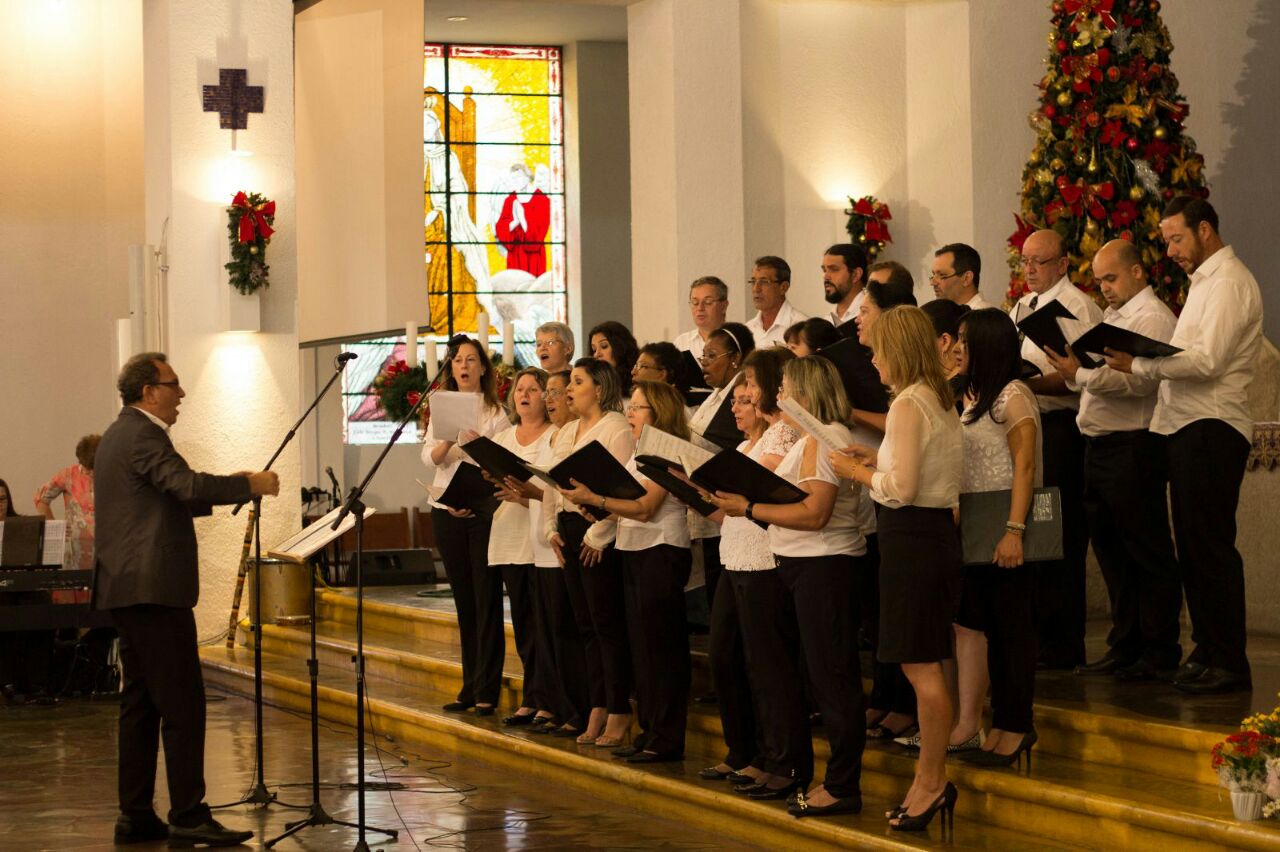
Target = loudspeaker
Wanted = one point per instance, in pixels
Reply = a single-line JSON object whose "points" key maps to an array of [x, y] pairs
{"points": [[412, 567]]}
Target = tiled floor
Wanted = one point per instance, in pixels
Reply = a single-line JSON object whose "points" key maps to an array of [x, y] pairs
{"points": [[57, 789]]}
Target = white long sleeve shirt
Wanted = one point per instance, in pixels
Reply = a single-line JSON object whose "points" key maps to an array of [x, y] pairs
{"points": [[1219, 333], [1082, 307]]}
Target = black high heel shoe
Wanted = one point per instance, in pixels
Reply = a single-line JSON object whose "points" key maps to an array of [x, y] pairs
{"points": [[945, 803], [991, 759]]}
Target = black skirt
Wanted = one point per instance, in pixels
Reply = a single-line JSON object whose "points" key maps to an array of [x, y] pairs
{"points": [[920, 584]]}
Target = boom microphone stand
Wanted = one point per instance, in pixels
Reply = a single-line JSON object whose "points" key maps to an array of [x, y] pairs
{"points": [[355, 505], [259, 794]]}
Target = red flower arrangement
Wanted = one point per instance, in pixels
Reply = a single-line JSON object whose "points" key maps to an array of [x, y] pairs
{"points": [[1241, 760], [866, 227]]}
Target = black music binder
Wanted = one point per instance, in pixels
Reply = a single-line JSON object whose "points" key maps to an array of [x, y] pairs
{"points": [[859, 376], [497, 460], [1106, 336], [596, 468], [723, 429], [1042, 327], [468, 489], [681, 490], [737, 473], [983, 515]]}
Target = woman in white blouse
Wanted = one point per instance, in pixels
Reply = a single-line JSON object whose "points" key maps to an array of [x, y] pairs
{"points": [[653, 538], [813, 543], [915, 477], [995, 628], [744, 636], [592, 567], [511, 552], [462, 536]]}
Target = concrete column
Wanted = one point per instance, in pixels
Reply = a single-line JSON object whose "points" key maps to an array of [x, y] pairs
{"points": [[242, 389]]}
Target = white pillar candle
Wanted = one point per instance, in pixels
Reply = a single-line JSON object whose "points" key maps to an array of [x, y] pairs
{"points": [[124, 342], [482, 330], [411, 344], [508, 343], [433, 361]]}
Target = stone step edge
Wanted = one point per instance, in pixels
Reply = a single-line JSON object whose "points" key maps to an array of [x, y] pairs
{"points": [[1061, 797], [1150, 731], [693, 802]]}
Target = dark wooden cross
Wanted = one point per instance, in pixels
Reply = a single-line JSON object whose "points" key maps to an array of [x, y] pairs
{"points": [[232, 99]]}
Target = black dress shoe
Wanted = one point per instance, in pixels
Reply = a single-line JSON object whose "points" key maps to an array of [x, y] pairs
{"points": [[457, 707], [770, 794], [708, 698], [515, 720], [211, 833], [140, 829], [1216, 681], [739, 778], [485, 711], [1188, 672], [1104, 666], [654, 757], [848, 805], [713, 774], [627, 751]]}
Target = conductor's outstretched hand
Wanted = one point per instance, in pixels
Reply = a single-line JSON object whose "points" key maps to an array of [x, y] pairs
{"points": [[264, 483]]}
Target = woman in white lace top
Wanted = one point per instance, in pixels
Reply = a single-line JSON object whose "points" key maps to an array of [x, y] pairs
{"points": [[995, 628], [915, 477], [753, 756]]}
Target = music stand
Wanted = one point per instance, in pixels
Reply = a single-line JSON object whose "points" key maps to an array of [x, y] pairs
{"points": [[299, 549]]}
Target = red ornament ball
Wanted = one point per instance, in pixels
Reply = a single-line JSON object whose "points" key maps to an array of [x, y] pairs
{"points": [[1058, 8], [1113, 73], [1061, 181], [1168, 280], [1093, 119], [1168, 193], [1126, 235], [1050, 111], [1061, 45], [1131, 143]]}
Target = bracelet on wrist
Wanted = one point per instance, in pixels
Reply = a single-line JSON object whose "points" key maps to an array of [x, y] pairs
{"points": [[1015, 528], [747, 514]]}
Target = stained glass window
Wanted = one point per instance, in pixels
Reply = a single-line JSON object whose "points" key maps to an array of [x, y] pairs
{"points": [[494, 210], [493, 137]]}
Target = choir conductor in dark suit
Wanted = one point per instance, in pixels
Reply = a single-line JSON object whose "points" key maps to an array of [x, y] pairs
{"points": [[146, 575]]}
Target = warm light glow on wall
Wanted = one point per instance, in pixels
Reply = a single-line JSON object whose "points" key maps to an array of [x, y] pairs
{"points": [[56, 20], [227, 174], [236, 375]]}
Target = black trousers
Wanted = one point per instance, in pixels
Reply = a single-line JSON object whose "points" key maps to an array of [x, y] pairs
{"points": [[821, 588], [477, 595], [1206, 469], [998, 601], [163, 696], [1126, 477], [595, 593], [712, 568], [653, 582], [519, 580], [771, 643], [730, 676], [890, 690], [561, 651], [1060, 585]]}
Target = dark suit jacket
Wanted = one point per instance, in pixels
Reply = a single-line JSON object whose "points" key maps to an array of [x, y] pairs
{"points": [[860, 377], [145, 496]]}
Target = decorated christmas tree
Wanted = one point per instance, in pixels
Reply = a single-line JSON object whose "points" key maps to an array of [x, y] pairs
{"points": [[1111, 149]]}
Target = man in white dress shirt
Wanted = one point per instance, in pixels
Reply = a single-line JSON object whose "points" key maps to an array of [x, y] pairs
{"points": [[1203, 407], [956, 273], [1060, 586], [1125, 480], [770, 279], [844, 278], [708, 303]]}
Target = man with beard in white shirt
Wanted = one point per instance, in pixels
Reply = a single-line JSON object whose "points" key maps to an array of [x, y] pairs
{"points": [[844, 278], [1203, 407], [1125, 480]]}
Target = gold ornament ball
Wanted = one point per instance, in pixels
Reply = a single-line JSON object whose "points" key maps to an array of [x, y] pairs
{"points": [[253, 250], [1136, 192], [1091, 226], [1092, 167], [862, 238], [1057, 165], [1079, 158], [1064, 99], [1160, 133], [1035, 156]]}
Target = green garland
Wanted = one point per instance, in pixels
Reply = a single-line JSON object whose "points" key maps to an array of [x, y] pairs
{"points": [[249, 240], [398, 388]]}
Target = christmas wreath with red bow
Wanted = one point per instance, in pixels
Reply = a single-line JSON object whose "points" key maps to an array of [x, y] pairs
{"points": [[399, 388], [867, 224], [249, 221]]}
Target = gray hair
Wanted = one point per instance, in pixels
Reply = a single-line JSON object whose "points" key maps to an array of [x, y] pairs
{"points": [[561, 331], [722, 289], [138, 372]]}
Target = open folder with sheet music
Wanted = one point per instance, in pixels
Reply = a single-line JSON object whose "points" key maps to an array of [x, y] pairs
{"points": [[1054, 327], [727, 470]]}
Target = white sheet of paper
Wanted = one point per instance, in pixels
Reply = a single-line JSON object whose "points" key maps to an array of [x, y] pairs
{"points": [[453, 412], [55, 543], [655, 442], [310, 539], [826, 436]]}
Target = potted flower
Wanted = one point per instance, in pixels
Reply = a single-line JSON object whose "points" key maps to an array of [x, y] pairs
{"points": [[1245, 760]]}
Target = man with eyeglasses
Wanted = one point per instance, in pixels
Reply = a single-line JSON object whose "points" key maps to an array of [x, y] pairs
{"points": [[770, 279], [708, 303], [147, 576], [553, 343], [1059, 586], [956, 272]]}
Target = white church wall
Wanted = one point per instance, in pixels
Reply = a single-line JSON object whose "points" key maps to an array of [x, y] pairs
{"points": [[242, 389], [71, 172]]}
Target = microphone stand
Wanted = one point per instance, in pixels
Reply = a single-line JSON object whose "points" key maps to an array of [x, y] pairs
{"points": [[355, 505], [259, 794]]}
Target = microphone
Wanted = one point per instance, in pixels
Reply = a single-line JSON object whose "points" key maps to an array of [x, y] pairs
{"points": [[347, 356], [332, 479]]}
